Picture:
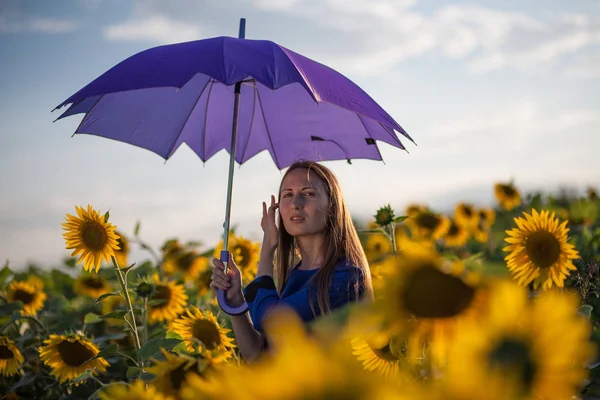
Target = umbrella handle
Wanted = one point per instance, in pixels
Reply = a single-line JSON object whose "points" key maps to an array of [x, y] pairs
{"points": [[222, 299]]}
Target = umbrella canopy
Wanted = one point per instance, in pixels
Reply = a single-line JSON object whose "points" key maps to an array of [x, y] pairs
{"points": [[291, 106]]}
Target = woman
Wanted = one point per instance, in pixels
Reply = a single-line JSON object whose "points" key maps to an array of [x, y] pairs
{"points": [[320, 263]]}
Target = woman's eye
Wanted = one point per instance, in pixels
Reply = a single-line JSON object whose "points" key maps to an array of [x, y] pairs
{"points": [[309, 194]]}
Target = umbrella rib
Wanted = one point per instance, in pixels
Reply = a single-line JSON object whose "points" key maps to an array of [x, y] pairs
{"points": [[392, 136], [262, 110], [186, 120], [251, 124], [87, 114], [369, 133], [212, 82]]}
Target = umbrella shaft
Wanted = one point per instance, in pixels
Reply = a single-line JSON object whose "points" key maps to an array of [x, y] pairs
{"points": [[236, 103]]}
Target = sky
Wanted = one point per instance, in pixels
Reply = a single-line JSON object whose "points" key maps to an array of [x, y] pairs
{"points": [[489, 90]]}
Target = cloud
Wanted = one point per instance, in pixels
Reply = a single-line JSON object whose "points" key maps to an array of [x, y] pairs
{"points": [[153, 29], [12, 24]]}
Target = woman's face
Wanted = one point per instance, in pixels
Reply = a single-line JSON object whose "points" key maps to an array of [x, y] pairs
{"points": [[303, 203]]}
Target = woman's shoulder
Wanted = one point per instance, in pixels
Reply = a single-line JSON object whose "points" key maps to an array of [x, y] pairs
{"points": [[346, 270]]}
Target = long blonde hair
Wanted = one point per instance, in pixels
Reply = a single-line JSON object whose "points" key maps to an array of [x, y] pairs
{"points": [[341, 240]]}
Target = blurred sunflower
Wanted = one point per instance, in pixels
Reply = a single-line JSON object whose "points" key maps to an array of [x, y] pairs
{"points": [[122, 252], [189, 263], [91, 237], [203, 282], [592, 194], [487, 216], [507, 195], [139, 390], [111, 304], [425, 303], [376, 246], [457, 236], [31, 296], [466, 216], [412, 210], [69, 356], [201, 331], [377, 353], [10, 357], [522, 349], [245, 252], [35, 281], [428, 225], [91, 285], [539, 250], [167, 302], [481, 232], [283, 375], [171, 374]]}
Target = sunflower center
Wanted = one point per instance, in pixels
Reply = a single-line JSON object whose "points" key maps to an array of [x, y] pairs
{"points": [[6, 353], [508, 190], [453, 230], [385, 353], [467, 211], [430, 293], [543, 249], [161, 292], [514, 357], [93, 235], [243, 252], [74, 353], [93, 283], [206, 332], [178, 375], [185, 261], [428, 221], [23, 296]]}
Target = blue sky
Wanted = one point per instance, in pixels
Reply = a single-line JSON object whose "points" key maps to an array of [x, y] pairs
{"points": [[489, 90]]}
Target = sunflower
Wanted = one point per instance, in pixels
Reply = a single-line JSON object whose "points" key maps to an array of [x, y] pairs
{"points": [[91, 285], [376, 246], [487, 216], [35, 281], [507, 195], [384, 216], [412, 210], [202, 332], [169, 298], [481, 232], [189, 263], [428, 225], [539, 250], [522, 349], [297, 368], [91, 237], [377, 353], [69, 356], [457, 236], [203, 282], [139, 390], [122, 252], [466, 216], [172, 373], [245, 252], [423, 301], [10, 357], [592, 194], [31, 296]]}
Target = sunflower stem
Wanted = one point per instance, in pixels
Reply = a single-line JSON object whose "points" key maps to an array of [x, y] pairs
{"points": [[145, 321], [98, 381], [123, 284]]}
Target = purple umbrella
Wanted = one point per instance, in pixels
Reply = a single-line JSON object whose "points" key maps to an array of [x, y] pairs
{"points": [[241, 95]]}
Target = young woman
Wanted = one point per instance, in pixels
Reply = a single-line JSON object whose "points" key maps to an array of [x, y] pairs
{"points": [[320, 263]]}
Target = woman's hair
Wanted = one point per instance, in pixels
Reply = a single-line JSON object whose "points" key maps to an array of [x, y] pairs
{"points": [[341, 240]]}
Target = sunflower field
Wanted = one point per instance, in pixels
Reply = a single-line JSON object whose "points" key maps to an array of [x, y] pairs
{"points": [[481, 303]]}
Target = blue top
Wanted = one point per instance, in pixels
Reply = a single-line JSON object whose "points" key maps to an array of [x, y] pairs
{"points": [[261, 293]]}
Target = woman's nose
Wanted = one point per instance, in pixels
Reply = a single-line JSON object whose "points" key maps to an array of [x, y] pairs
{"points": [[297, 201]]}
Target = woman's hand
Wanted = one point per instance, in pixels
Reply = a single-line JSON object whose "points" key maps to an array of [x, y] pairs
{"points": [[270, 231], [231, 281]]}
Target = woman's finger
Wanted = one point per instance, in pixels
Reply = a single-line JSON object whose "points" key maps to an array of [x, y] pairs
{"points": [[220, 281], [218, 263], [220, 273]]}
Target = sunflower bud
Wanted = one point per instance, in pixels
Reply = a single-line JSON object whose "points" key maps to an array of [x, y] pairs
{"points": [[144, 289], [384, 216]]}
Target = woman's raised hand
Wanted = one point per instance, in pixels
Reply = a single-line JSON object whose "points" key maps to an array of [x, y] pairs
{"points": [[270, 231]]}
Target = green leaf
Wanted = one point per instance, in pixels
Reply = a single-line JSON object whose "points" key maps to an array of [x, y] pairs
{"points": [[4, 274], [108, 351], [86, 375], [375, 230], [105, 295], [116, 314], [153, 346], [136, 230], [585, 310], [156, 302], [132, 372], [25, 380], [400, 218], [91, 318], [8, 308], [173, 335], [106, 217], [126, 270]]}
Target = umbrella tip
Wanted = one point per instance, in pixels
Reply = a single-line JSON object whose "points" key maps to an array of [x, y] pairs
{"points": [[242, 32]]}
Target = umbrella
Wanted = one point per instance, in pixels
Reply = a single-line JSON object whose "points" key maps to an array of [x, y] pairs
{"points": [[243, 96]]}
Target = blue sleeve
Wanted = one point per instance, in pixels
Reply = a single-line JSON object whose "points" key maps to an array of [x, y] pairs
{"points": [[261, 295]]}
